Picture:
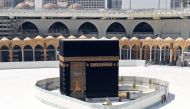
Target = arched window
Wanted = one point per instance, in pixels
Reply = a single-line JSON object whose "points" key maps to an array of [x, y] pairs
{"points": [[17, 53], [28, 29], [146, 53], [28, 53], [5, 55], [39, 53], [88, 28], [116, 28], [135, 52], [51, 53], [58, 28], [143, 30], [125, 52], [156, 55], [166, 55]]}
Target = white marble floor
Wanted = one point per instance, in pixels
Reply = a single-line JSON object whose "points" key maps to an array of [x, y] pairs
{"points": [[17, 85]]}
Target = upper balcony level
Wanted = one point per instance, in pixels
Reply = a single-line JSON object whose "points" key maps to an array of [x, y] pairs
{"points": [[97, 14]]}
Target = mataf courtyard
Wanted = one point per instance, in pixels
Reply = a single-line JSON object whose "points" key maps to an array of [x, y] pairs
{"points": [[17, 85]]}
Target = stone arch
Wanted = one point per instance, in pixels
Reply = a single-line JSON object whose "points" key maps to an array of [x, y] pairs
{"points": [[146, 52], [125, 52], [58, 28], [5, 54], [28, 53], [88, 28], [29, 29], [51, 53], [143, 30], [17, 53], [116, 29], [39, 53]]}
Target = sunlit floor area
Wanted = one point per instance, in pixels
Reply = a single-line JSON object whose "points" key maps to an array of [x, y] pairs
{"points": [[17, 85], [17, 88], [178, 78]]}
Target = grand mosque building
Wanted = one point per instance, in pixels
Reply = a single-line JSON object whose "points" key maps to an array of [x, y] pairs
{"points": [[157, 36], [157, 51]]}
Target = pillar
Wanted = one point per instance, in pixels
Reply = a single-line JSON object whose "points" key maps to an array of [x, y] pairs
{"points": [[171, 56], [164, 53], [33, 54], [55, 54], [120, 48], [0, 56], [140, 53], [45, 54], [11, 55], [155, 55], [150, 55], [174, 55], [22, 55], [182, 56], [130, 52], [160, 55], [106, 4]]}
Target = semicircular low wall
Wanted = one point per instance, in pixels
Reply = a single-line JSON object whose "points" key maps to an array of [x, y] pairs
{"points": [[45, 94]]}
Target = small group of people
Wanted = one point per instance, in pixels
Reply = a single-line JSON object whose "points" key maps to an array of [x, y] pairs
{"points": [[164, 99]]}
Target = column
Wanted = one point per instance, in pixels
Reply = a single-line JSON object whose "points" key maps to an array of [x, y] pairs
{"points": [[140, 53], [155, 55], [120, 48], [171, 56], [158, 4], [45, 54], [33, 54], [106, 4], [150, 55], [55, 54], [130, 52], [174, 55], [182, 56], [0, 56], [11, 55], [160, 55], [165, 54], [22, 55], [181, 4]]}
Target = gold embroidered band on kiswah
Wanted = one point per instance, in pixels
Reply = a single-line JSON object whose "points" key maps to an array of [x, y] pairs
{"points": [[88, 58]]}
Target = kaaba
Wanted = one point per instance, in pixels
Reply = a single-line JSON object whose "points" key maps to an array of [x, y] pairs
{"points": [[89, 68]]}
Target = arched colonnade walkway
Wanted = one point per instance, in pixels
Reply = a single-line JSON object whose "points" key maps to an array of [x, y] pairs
{"points": [[157, 51]]}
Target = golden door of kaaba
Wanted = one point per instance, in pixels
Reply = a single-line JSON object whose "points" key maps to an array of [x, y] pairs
{"points": [[78, 77]]}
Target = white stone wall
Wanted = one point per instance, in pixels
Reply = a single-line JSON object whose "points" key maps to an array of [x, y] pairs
{"points": [[26, 65], [127, 63], [65, 102]]}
